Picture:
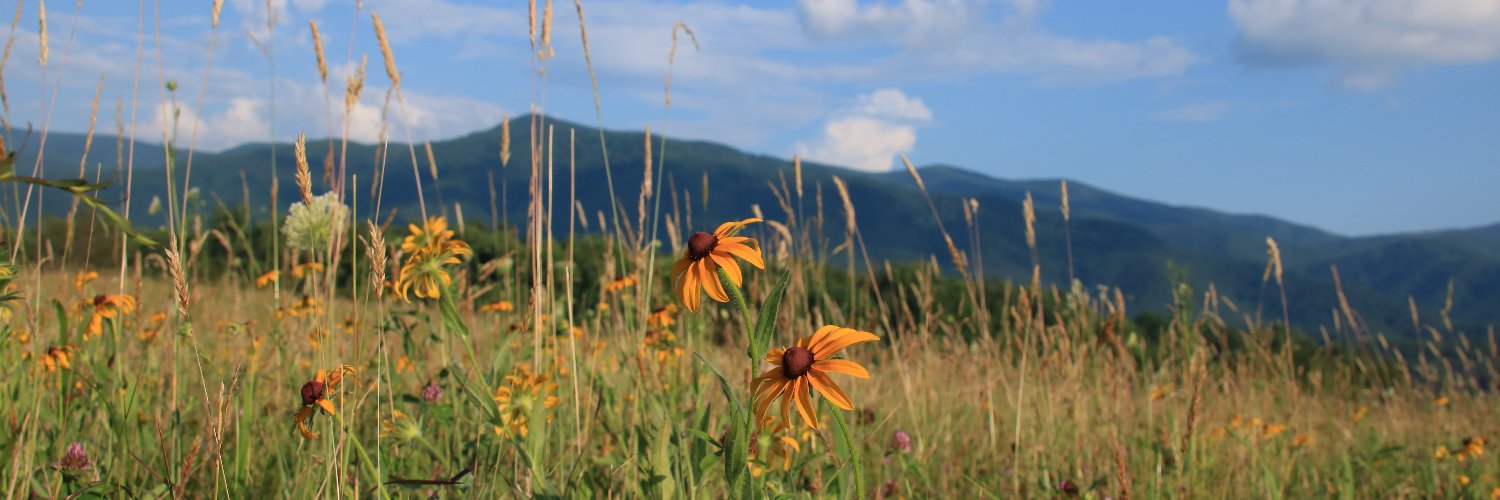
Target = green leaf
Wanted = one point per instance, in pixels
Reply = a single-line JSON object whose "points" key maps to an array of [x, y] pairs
{"points": [[765, 327]]}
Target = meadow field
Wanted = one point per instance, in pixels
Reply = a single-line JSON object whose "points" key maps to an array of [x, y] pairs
{"points": [[327, 350]]}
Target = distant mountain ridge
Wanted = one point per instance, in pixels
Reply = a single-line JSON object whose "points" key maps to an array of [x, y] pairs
{"points": [[1117, 240]]}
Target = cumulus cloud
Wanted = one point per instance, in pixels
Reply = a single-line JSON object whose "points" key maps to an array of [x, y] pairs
{"points": [[1369, 39], [868, 135], [1196, 112]]}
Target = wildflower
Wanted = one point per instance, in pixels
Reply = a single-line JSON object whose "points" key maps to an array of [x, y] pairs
{"points": [[706, 254], [619, 284], [779, 442], [518, 399], [149, 333], [74, 459], [1474, 446], [430, 249], [107, 307], [1440, 454], [891, 488], [1360, 413], [401, 426], [1463, 480], [267, 278], [1161, 391], [1272, 430], [311, 226], [1441, 401], [57, 357], [1495, 493], [300, 271], [497, 306], [901, 441], [661, 317], [432, 392], [83, 279], [403, 364], [1302, 440], [315, 397], [806, 366]]}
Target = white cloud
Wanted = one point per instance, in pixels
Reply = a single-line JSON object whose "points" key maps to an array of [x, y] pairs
{"points": [[914, 22], [961, 37], [893, 104], [1365, 34], [1196, 112], [869, 135]]}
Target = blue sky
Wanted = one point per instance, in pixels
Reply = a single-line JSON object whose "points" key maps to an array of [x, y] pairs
{"points": [[1357, 116]]}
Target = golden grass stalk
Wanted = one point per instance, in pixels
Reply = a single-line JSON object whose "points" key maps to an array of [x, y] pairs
{"points": [[377, 253], [318, 49], [1065, 208], [797, 169], [546, 47], [219, 7], [505, 141], [431, 160], [385, 51], [41, 17], [354, 86], [179, 282], [1028, 211], [1273, 261], [960, 261], [531, 22], [645, 188], [304, 174], [705, 191]]}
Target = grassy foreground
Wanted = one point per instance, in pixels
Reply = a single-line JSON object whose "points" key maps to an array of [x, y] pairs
{"points": [[331, 356]]}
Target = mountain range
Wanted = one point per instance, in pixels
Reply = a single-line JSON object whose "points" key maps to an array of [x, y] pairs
{"points": [[1117, 240]]}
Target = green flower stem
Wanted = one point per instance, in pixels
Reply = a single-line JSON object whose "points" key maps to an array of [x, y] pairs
{"points": [[738, 298], [364, 459], [848, 439]]}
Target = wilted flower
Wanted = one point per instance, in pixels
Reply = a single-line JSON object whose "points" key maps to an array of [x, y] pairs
{"points": [[310, 226], [315, 396]]}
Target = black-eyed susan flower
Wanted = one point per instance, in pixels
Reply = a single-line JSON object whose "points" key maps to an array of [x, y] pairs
{"points": [[315, 397], [430, 249], [83, 279], [774, 449], [661, 317], [519, 396], [706, 254], [803, 367], [267, 278], [56, 358], [497, 306], [299, 271], [620, 283], [107, 307]]}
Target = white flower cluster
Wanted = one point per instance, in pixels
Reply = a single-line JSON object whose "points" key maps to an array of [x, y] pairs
{"points": [[311, 226]]}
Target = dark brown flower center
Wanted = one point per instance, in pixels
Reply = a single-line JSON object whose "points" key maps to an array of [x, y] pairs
{"points": [[796, 362], [99, 300], [700, 244], [312, 392]]}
